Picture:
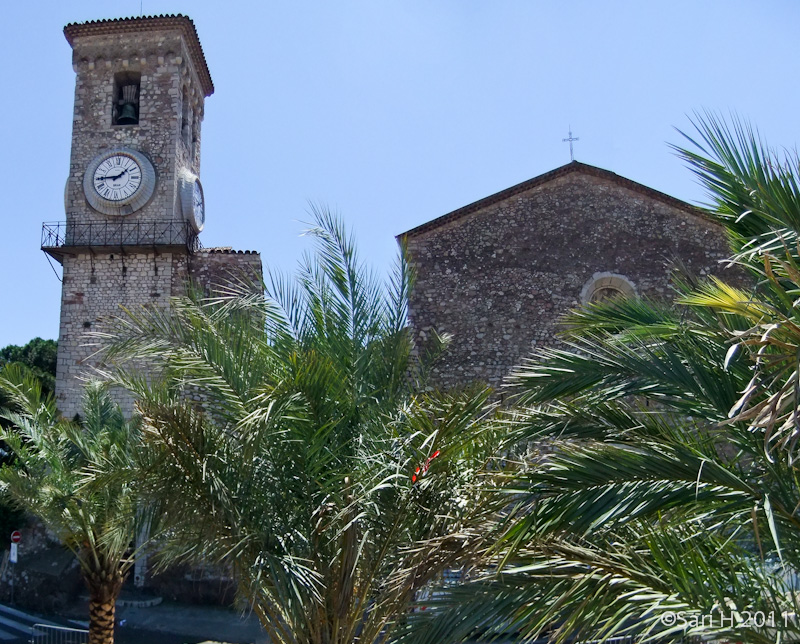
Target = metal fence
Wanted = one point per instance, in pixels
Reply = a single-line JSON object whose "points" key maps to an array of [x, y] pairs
{"points": [[44, 634], [115, 233]]}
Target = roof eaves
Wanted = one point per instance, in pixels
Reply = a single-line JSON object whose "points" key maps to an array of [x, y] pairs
{"points": [[148, 23], [574, 166], [227, 251]]}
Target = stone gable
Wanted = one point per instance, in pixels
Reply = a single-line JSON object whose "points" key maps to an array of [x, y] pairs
{"points": [[498, 274]]}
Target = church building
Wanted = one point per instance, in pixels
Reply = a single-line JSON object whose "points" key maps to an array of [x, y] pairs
{"points": [[498, 273], [495, 274]]}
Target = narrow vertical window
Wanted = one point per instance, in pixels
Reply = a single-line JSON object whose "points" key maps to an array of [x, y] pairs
{"points": [[195, 130], [126, 98], [186, 120]]}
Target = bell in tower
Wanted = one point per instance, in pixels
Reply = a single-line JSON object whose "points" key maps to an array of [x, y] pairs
{"points": [[126, 98], [129, 105]]}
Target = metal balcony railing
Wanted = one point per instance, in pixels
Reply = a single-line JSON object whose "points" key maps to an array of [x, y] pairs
{"points": [[61, 235]]}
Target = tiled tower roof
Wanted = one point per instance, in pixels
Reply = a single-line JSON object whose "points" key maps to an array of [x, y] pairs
{"points": [[176, 22]]}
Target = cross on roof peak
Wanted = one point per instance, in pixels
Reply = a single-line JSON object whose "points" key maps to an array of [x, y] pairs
{"points": [[571, 139]]}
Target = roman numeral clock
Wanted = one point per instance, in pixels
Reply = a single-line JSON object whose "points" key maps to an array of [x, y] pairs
{"points": [[122, 180], [119, 181], [193, 203]]}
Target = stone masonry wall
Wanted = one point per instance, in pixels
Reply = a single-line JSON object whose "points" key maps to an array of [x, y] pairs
{"points": [[97, 289], [499, 278], [213, 268]]}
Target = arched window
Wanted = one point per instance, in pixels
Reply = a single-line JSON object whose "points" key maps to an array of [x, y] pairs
{"points": [[604, 286]]}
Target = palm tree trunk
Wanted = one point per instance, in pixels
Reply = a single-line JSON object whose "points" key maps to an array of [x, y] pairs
{"points": [[105, 584], [101, 619]]}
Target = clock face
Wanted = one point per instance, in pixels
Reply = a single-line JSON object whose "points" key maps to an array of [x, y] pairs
{"points": [[193, 204], [117, 178], [119, 181], [198, 206]]}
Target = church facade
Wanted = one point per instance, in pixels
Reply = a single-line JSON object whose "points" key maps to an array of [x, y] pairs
{"points": [[497, 274]]}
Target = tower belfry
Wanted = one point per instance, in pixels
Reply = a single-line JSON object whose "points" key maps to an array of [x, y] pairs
{"points": [[139, 97], [134, 203]]}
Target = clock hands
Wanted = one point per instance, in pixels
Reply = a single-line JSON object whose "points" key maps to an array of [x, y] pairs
{"points": [[107, 177]]}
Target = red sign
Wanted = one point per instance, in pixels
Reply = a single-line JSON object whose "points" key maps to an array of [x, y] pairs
{"points": [[16, 536]]}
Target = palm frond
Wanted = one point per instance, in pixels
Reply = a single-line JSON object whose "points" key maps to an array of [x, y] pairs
{"points": [[285, 439]]}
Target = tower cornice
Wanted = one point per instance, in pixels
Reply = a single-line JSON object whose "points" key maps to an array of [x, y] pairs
{"points": [[178, 22]]}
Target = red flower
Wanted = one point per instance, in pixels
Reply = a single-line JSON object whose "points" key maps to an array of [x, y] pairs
{"points": [[424, 467]]}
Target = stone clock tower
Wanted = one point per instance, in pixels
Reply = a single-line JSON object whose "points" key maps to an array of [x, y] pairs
{"points": [[133, 199]]}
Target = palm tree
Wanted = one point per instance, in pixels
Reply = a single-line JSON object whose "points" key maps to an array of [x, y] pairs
{"points": [[667, 503], [58, 474], [292, 448]]}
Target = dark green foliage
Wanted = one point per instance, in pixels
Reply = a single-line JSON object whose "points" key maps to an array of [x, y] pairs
{"points": [[11, 518], [39, 356]]}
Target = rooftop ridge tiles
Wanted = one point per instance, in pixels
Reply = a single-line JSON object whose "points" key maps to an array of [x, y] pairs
{"points": [[228, 251]]}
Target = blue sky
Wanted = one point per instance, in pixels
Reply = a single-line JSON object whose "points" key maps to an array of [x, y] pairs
{"points": [[393, 112]]}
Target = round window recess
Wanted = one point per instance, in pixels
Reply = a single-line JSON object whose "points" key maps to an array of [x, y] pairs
{"points": [[607, 286]]}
